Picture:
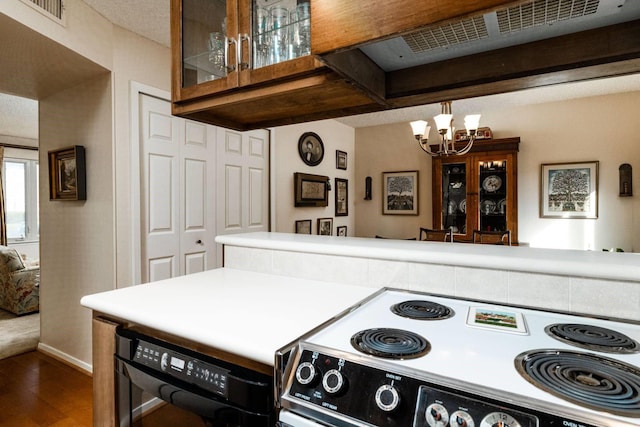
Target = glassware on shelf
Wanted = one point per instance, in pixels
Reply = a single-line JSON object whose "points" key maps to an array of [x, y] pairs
{"points": [[217, 54], [261, 37], [279, 39], [300, 31]]}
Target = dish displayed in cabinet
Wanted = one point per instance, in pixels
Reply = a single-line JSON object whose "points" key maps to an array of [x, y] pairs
{"points": [[463, 206], [502, 206], [487, 206], [492, 183]]}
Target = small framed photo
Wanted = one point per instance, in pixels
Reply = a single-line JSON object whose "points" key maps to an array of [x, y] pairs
{"points": [[496, 319], [569, 190], [311, 148], [342, 197], [325, 225], [67, 174], [341, 230], [341, 160], [310, 190], [400, 193], [303, 226]]}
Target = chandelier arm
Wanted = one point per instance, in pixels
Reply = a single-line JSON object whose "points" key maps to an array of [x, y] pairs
{"points": [[424, 145], [467, 147]]}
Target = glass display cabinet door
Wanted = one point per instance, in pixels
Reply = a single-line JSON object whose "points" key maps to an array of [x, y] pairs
{"points": [[454, 197], [281, 31], [493, 183], [209, 51]]}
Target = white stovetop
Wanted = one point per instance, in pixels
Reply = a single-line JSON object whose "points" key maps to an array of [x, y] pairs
{"points": [[244, 313], [478, 356]]}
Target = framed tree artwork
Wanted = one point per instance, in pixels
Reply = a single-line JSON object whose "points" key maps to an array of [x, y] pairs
{"points": [[569, 190], [400, 193]]}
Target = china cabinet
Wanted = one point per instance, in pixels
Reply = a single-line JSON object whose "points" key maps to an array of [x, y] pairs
{"points": [[247, 63], [477, 191]]}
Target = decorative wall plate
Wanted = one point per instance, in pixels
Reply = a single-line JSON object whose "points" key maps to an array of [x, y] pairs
{"points": [[311, 148], [492, 183]]}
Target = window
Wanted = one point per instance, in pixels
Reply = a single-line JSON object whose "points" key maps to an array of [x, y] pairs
{"points": [[20, 181]]}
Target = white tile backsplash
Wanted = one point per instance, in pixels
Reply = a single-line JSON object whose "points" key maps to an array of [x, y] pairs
{"points": [[546, 291], [539, 290]]}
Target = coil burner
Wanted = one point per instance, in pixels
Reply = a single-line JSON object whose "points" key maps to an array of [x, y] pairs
{"points": [[390, 343], [593, 338], [585, 379], [422, 310]]}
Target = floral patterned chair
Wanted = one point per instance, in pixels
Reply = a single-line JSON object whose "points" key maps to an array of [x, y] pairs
{"points": [[19, 285]]}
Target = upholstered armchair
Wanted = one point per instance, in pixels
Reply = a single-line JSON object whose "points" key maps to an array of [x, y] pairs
{"points": [[19, 285]]}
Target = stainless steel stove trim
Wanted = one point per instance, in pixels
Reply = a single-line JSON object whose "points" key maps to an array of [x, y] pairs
{"points": [[282, 367], [574, 412]]}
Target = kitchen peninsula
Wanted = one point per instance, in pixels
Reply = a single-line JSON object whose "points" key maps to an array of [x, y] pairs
{"points": [[238, 316]]}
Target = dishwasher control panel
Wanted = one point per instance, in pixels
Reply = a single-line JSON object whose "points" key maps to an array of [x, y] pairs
{"points": [[186, 368]]}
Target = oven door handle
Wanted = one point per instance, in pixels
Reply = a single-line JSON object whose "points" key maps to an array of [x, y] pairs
{"points": [[188, 400]]}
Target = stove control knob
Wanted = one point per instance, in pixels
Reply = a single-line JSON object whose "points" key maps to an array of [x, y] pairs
{"points": [[437, 415], [387, 397], [333, 382], [306, 373], [462, 419]]}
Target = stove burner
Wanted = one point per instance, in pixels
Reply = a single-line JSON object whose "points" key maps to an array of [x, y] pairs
{"points": [[593, 338], [422, 310], [588, 380], [390, 343]]}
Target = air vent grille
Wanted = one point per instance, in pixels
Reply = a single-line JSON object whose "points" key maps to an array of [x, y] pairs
{"points": [[542, 12], [52, 7], [447, 35]]}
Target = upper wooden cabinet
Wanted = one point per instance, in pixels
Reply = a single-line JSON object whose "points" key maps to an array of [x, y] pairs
{"points": [[243, 64], [477, 191]]}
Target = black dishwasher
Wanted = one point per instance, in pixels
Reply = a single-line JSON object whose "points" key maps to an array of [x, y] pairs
{"points": [[195, 389]]}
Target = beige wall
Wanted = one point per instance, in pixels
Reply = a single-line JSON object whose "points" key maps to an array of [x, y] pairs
{"points": [[335, 136], [597, 128], [86, 247], [135, 59], [76, 237]]}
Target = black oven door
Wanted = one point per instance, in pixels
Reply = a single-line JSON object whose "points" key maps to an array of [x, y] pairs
{"points": [[181, 407]]}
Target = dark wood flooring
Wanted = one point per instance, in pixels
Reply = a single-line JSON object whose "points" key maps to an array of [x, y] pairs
{"points": [[38, 390]]}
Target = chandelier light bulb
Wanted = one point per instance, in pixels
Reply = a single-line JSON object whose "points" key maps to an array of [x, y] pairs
{"points": [[471, 122], [420, 128], [443, 121]]}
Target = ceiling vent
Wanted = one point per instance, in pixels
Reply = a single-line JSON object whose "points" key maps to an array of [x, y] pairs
{"points": [[447, 35], [51, 8], [543, 12]]}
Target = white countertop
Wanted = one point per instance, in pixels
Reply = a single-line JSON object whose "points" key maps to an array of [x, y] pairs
{"points": [[244, 313], [594, 264]]}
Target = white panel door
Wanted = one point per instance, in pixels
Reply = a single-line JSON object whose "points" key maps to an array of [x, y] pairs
{"points": [[197, 197], [178, 192], [243, 181], [160, 151]]}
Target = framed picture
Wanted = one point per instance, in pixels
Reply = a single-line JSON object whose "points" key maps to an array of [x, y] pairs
{"points": [[325, 225], [303, 226], [342, 197], [341, 230], [311, 148], [341, 160], [310, 190], [400, 193], [67, 174], [569, 190], [499, 320]]}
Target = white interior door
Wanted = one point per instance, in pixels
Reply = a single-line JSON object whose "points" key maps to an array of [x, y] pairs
{"points": [[243, 181], [177, 165]]}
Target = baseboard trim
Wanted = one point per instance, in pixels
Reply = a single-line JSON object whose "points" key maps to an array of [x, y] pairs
{"points": [[65, 358]]}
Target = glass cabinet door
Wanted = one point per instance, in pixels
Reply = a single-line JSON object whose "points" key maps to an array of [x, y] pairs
{"points": [[281, 31], [205, 46], [454, 197], [493, 184]]}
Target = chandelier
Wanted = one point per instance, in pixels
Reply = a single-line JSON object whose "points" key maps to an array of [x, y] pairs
{"points": [[444, 123]]}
